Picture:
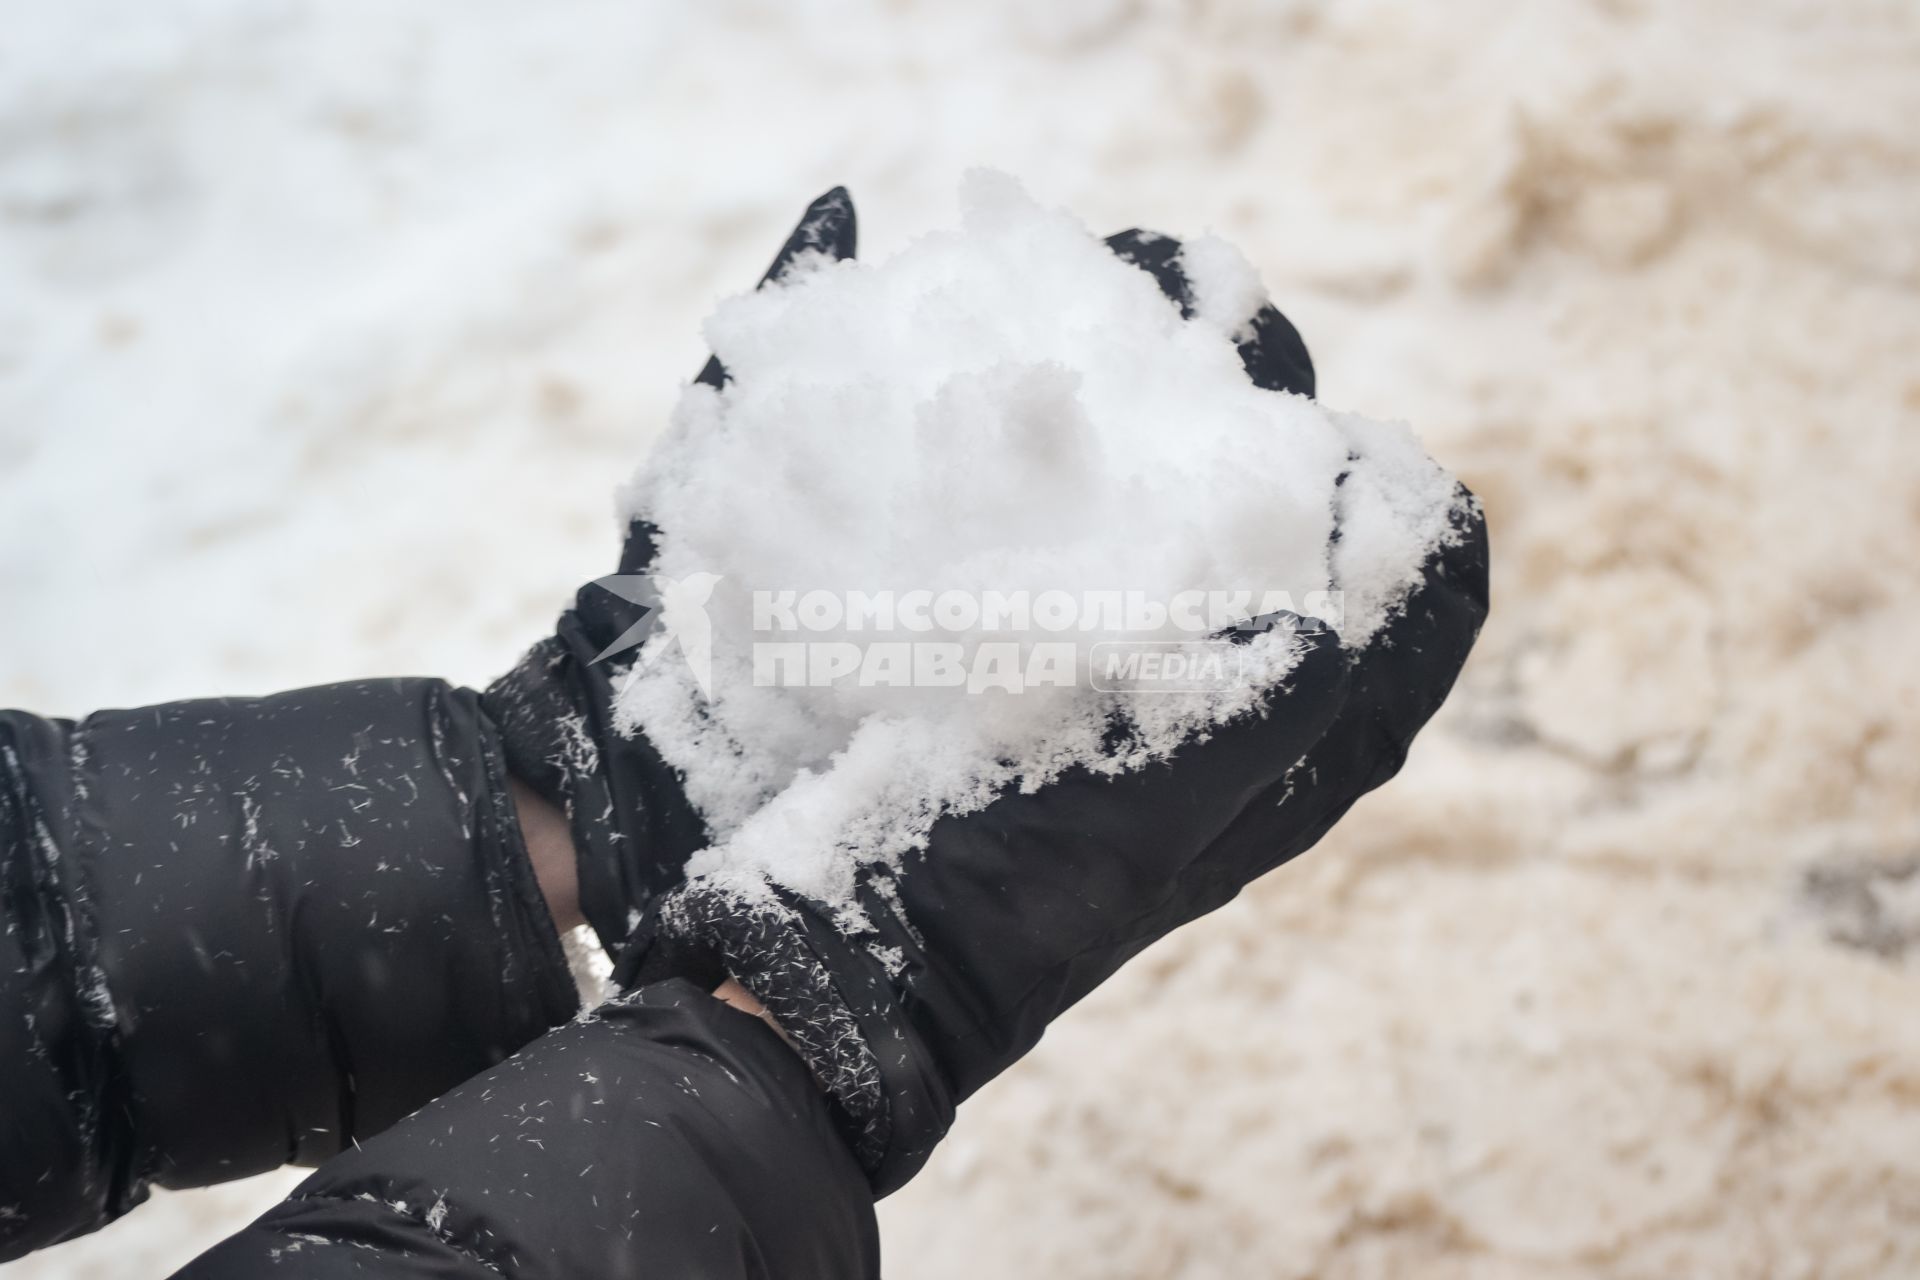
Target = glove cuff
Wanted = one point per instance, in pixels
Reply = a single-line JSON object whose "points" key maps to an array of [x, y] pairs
{"points": [[632, 826], [835, 1001]]}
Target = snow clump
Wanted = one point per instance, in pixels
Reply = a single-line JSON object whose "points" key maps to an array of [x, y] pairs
{"points": [[904, 452]]}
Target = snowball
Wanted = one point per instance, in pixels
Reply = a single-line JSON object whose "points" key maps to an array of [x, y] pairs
{"points": [[1226, 289], [1005, 413]]}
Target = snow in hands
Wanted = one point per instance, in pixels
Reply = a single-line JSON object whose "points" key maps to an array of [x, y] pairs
{"points": [[956, 516]]}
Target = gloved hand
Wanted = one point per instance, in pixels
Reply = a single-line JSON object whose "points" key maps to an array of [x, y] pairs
{"points": [[1016, 911], [632, 826]]}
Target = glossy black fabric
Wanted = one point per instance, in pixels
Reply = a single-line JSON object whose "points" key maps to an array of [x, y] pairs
{"points": [[243, 932], [665, 1135]]}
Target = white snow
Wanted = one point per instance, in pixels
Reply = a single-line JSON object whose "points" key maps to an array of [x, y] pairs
{"points": [[323, 323], [1226, 288], [1002, 409]]}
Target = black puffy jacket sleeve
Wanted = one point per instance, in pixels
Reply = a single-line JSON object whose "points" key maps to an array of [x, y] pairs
{"points": [[665, 1134], [245, 932]]}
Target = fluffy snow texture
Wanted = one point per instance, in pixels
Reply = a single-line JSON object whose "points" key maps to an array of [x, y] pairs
{"points": [[1003, 408], [323, 322]]}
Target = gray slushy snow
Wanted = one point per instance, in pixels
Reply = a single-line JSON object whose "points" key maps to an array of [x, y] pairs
{"points": [[1001, 407]]}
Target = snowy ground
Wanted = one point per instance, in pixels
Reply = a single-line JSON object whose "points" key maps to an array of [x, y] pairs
{"points": [[326, 329]]}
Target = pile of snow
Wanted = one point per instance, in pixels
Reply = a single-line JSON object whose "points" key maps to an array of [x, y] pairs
{"points": [[1006, 412]]}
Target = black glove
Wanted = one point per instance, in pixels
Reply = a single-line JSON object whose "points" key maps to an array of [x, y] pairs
{"points": [[1016, 911], [1275, 357], [633, 828]]}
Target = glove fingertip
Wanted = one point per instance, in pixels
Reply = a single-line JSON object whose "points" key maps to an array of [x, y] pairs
{"points": [[829, 226], [1276, 357], [1159, 256]]}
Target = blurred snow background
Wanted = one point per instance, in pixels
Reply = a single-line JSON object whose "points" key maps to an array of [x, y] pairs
{"points": [[326, 329]]}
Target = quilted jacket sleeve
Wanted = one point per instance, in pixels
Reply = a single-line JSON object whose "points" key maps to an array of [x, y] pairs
{"points": [[246, 932]]}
